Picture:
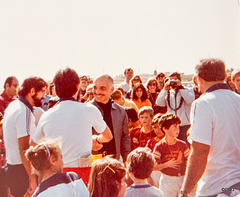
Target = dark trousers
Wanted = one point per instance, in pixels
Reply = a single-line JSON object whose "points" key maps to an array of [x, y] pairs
{"points": [[17, 179], [3, 182], [183, 133]]}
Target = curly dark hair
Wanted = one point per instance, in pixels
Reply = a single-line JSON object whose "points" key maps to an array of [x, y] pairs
{"points": [[66, 82], [31, 82], [167, 120], [144, 92]]}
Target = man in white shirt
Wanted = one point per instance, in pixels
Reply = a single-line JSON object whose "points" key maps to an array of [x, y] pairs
{"points": [[128, 74], [73, 122], [18, 125], [214, 162]]}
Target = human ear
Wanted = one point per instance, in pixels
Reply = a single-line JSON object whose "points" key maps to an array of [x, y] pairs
{"points": [[32, 91], [52, 160], [112, 89]]}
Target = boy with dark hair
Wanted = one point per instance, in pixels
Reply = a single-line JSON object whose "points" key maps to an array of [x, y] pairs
{"points": [[171, 155], [133, 121], [139, 164], [159, 133]]}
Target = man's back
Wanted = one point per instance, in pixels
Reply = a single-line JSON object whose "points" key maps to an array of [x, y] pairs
{"points": [[73, 122], [216, 123]]}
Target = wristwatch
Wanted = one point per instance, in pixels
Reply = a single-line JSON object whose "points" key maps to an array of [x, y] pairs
{"points": [[183, 194]]}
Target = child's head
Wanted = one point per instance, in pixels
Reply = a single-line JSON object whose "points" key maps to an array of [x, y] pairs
{"points": [[145, 115], [45, 156], [156, 126], [117, 97], [106, 178], [132, 116], [169, 124], [235, 76], [140, 163]]}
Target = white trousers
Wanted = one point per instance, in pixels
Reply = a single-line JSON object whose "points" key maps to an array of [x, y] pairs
{"points": [[170, 185]]}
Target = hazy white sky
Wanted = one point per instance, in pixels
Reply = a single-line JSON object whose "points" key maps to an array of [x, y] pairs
{"points": [[105, 36]]}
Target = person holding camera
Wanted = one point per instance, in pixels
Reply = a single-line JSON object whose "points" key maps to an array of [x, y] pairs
{"points": [[178, 100]]}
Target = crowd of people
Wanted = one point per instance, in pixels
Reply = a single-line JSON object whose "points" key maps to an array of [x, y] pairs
{"points": [[80, 137]]}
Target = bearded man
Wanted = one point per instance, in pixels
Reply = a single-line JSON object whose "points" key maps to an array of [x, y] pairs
{"points": [[18, 125]]}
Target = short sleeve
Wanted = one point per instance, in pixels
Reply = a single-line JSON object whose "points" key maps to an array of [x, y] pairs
{"points": [[201, 123], [157, 153], [97, 120], [24, 122]]}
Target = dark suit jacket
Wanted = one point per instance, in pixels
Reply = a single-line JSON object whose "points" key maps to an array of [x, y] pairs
{"points": [[120, 129]]}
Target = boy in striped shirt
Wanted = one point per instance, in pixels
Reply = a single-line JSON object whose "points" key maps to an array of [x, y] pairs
{"points": [[171, 155]]}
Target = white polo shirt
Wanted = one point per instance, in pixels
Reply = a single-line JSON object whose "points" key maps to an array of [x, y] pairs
{"points": [[72, 122], [18, 122], [62, 185], [215, 121]]}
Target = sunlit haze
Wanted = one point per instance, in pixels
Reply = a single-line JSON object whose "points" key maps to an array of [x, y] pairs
{"points": [[106, 36]]}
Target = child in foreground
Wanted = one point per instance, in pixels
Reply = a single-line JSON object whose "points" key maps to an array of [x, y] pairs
{"points": [[139, 164], [46, 159], [107, 178], [171, 155]]}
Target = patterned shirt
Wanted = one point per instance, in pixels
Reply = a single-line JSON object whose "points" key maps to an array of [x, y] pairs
{"points": [[164, 152], [139, 138]]}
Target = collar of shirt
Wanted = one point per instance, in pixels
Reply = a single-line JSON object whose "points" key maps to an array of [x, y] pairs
{"points": [[67, 99], [25, 102], [218, 86]]}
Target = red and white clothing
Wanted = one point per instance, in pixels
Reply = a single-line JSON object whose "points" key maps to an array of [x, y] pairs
{"points": [[152, 142], [72, 122], [171, 178], [164, 152], [139, 138]]}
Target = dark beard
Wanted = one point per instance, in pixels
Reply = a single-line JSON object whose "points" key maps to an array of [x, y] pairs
{"points": [[37, 102]]}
